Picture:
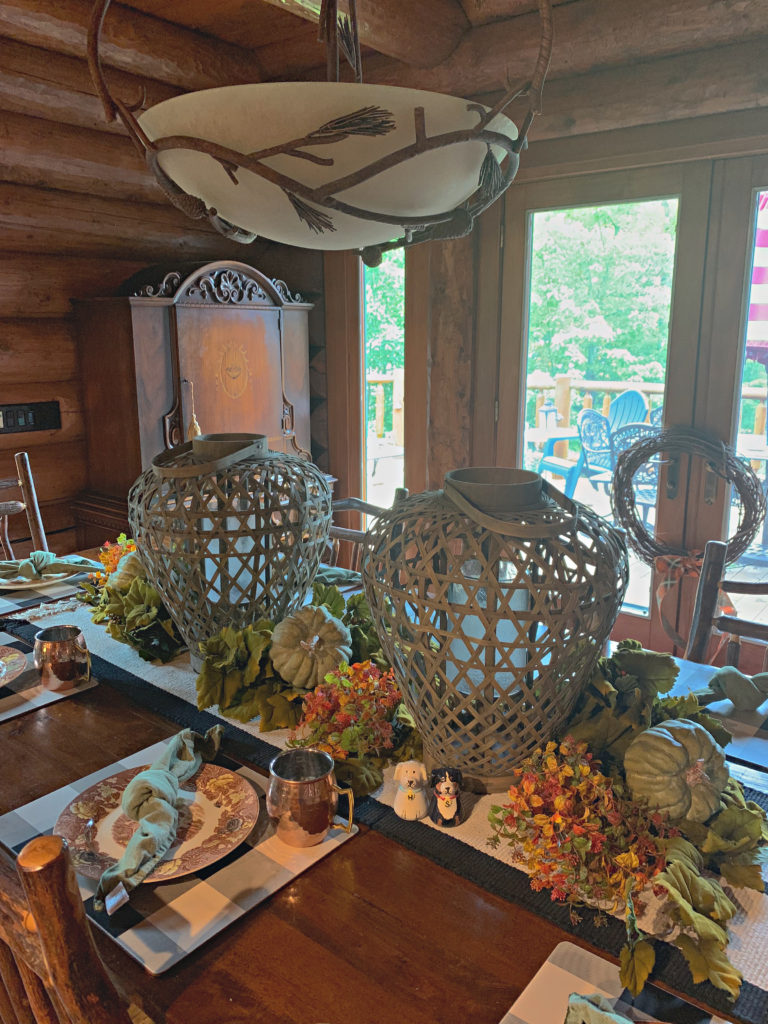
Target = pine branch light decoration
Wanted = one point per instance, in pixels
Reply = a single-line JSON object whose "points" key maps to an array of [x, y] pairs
{"points": [[373, 176]]}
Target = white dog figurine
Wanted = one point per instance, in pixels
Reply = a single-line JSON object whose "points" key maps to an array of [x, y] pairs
{"points": [[411, 796]]}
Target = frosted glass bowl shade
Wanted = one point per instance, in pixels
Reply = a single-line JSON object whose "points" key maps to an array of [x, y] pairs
{"points": [[250, 118]]}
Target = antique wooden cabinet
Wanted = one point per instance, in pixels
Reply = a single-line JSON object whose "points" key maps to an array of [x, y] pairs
{"points": [[222, 337]]}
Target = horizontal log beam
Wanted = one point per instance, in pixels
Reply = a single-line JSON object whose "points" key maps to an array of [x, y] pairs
{"points": [[729, 78], [131, 41], [481, 12], [42, 220], [589, 35], [423, 34], [34, 151], [44, 286], [51, 85], [37, 350]]}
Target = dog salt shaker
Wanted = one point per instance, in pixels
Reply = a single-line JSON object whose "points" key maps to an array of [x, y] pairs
{"points": [[445, 801], [411, 796]]}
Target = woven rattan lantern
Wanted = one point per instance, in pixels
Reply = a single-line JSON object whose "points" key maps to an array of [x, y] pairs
{"points": [[229, 531], [492, 599]]}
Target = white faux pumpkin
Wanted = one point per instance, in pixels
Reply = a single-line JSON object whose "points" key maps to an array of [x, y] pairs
{"points": [[126, 571], [678, 768], [308, 645]]}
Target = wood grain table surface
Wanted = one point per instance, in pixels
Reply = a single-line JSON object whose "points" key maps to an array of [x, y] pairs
{"points": [[374, 934]]}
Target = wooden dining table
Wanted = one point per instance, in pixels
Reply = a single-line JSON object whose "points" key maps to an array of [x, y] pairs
{"points": [[374, 934]]}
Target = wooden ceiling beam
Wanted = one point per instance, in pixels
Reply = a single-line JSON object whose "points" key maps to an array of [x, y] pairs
{"points": [[131, 41], [589, 35], [421, 34]]}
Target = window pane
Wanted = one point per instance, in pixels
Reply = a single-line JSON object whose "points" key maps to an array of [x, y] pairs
{"points": [[598, 329], [384, 383], [751, 424]]}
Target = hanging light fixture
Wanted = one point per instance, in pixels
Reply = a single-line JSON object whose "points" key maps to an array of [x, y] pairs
{"points": [[330, 165]]}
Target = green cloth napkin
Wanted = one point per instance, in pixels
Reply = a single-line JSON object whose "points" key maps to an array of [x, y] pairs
{"points": [[151, 798], [335, 576], [44, 565], [592, 1010]]}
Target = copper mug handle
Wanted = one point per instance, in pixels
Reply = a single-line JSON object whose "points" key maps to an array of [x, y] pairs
{"points": [[346, 791]]}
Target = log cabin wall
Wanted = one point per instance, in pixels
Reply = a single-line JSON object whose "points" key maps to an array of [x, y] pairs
{"points": [[79, 214]]}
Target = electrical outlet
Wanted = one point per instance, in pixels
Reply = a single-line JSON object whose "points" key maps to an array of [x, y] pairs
{"points": [[19, 419]]}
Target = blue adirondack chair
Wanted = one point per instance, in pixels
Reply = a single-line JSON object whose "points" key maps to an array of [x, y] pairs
{"points": [[629, 407]]}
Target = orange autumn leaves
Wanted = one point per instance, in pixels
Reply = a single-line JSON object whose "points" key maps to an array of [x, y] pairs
{"points": [[578, 834], [110, 554]]}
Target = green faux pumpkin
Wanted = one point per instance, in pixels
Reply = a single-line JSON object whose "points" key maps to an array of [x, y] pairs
{"points": [[678, 768], [308, 645]]}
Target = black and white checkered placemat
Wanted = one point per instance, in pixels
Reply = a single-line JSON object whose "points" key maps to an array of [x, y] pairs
{"points": [[165, 921], [25, 693], [14, 601]]}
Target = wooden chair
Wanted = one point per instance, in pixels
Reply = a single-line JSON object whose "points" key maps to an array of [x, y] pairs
{"points": [[345, 534], [50, 970], [706, 616], [27, 504]]}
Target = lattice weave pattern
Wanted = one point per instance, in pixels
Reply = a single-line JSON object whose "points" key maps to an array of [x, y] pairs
{"points": [[492, 636], [231, 546]]}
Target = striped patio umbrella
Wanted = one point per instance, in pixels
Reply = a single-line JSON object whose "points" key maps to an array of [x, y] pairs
{"points": [[757, 322]]}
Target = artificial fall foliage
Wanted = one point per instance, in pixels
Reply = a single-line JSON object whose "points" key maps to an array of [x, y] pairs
{"points": [[128, 605]]}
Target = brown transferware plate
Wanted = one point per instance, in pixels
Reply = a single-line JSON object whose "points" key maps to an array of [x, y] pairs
{"points": [[12, 664], [219, 811]]}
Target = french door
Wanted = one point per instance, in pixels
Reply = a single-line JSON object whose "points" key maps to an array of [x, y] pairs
{"points": [[705, 213]]}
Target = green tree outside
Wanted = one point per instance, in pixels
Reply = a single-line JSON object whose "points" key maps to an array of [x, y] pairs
{"points": [[384, 325]]}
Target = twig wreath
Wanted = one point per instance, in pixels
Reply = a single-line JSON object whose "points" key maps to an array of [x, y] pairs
{"points": [[720, 459]]}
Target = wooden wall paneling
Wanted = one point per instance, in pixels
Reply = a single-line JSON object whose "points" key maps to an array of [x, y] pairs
{"points": [[452, 301], [589, 35], [344, 360], [47, 345], [418, 309], [131, 41], [485, 357], [35, 151], [58, 88], [44, 220]]}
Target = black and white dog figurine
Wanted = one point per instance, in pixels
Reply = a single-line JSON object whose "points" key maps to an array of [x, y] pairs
{"points": [[445, 800]]}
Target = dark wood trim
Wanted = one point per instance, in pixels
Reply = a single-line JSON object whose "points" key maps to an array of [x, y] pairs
{"points": [[417, 369], [344, 361]]}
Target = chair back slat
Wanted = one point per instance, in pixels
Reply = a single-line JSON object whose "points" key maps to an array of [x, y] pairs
{"points": [[28, 504], [17, 1001], [712, 583], [29, 497], [40, 1004]]}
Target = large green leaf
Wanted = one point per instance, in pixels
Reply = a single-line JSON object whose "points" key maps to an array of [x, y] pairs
{"points": [[636, 962], [708, 962]]}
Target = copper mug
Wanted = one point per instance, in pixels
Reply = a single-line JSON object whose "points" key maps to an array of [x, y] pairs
{"points": [[303, 796], [61, 657]]}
